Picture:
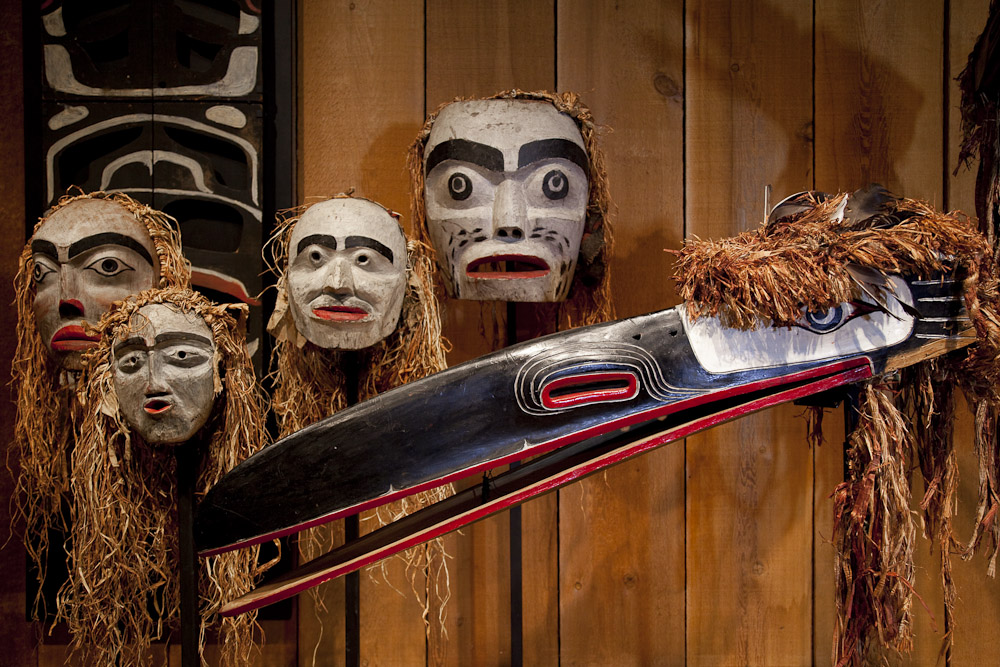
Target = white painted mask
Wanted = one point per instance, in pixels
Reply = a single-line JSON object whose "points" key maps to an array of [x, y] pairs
{"points": [[87, 255], [164, 374], [506, 195], [346, 275]]}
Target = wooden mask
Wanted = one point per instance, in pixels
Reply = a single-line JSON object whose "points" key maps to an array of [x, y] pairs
{"points": [[86, 255], [506, 195], [165, 374], [346, 274]]}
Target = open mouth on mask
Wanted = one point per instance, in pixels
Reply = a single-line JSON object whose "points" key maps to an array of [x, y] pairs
{"points": [[73, 338], [340, 313], [507, 267], [157, 406]]}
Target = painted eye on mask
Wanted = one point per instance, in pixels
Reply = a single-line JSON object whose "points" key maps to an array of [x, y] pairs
{"points": [[186, 357], [108, 267], [459, 186], [39, 273], [555, 185], [316, 257], [831, 319], [131, 362]]}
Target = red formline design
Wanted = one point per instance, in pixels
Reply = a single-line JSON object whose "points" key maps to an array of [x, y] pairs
{"points": [[545, 447], [571, 399], [843, 373]]}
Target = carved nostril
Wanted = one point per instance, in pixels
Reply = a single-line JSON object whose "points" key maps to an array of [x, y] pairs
{"points": [[510, 234], [70, 309]]}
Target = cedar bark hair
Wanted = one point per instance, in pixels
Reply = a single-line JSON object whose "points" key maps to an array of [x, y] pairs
{"points": [[124, 592], [47, 418], [589, 299], [768, 277], [309, 385]]}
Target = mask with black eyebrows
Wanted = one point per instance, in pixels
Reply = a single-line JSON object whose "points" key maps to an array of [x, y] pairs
{"points": [[506, 192], [165, 374], [346, 274], [86, 255]]}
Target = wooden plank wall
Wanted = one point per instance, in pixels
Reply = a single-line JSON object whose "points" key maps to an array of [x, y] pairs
{"points": [[713, 551]]}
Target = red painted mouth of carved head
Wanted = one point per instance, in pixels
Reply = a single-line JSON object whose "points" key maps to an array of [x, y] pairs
{"points": [[340, 313], [507, 267], [157, 406], [73, 338]]}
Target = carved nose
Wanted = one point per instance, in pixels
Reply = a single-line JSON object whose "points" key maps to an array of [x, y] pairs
{"points": [[70, 309], [155, 385], [340, 279], [510, 212]]}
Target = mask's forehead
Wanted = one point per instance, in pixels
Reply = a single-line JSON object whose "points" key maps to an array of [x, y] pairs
{"points": [[87, 217], [343, 218], [157, 319], [503, 124]]}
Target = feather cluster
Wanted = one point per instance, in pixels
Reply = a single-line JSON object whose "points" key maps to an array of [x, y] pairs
{"points": [[816, 257]]}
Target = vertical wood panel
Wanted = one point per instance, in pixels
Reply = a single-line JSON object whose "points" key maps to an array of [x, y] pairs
{"points": [[749, 494], [361, 103], [977, 612], [474, 50], [879, 118], [17, 641], [621, 556]]}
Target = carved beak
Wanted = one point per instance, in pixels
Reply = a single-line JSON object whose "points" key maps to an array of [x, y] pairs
{"points": [[579, 401]]}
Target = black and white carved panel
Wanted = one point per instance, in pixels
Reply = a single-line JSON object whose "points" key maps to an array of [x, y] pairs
{"points": [[162, 100], [151, 48]]}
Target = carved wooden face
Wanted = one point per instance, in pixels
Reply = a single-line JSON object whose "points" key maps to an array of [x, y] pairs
{"points": [[845, 329], [346, 275], [86, 255], [506, 198], [164, 374]]}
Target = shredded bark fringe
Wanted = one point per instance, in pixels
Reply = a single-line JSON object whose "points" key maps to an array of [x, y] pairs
{"points": [[47, 417], [812, 260], [123, 591], [589, 301], [310, 384]]}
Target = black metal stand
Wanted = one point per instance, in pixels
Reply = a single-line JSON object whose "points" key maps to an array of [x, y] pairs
{"points": [[187, 456], [352, 530], [516, 573]]}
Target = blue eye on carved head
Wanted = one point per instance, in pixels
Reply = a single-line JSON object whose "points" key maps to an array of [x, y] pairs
{"points": [[831, 319]]}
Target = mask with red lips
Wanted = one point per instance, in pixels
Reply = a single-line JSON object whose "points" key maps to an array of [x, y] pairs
{"points": [[164, 374], [506, 196], [346, 275], [86, 256]]}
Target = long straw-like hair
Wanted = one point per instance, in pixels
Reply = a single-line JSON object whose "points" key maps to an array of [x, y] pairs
{"points": [[767, 277], [310, 384], [123, 590], [590, 295], [44, 427]]}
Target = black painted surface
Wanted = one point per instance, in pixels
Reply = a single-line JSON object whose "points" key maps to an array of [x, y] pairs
{"points": [[465, 418]]}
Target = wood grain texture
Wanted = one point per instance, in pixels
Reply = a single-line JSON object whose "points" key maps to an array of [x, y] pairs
{"points": [[475, 50], [621, 556], [879, 118], [360, 97], [361, 103], [749, 483], [977, 612]]}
